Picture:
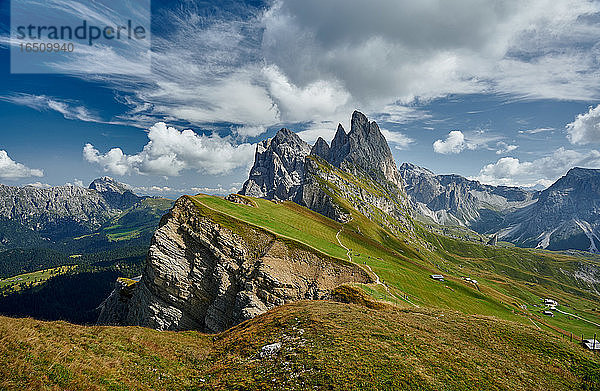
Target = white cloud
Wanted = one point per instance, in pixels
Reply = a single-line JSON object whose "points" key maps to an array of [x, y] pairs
{"points": [[317, 100], [324, 129], [544, 171], [314, 60], [505, 148], [536, 130], [431, 49], [219, 190], [586, 127], [69, 110], [9, 169], [399, 140], [250, 131], [170, 151], [457, 141], [454, 143]]}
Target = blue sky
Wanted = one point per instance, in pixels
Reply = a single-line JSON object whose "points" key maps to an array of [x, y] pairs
{"points": [[504, 93]]}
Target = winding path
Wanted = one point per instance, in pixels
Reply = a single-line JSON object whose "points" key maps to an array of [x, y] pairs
{"points": [[377, 279]]}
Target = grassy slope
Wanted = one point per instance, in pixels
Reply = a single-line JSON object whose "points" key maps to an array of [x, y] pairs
{"points": [[35, 278], [324, 345], [509, 277]]}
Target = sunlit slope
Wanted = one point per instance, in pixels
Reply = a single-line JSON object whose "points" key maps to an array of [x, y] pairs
{"points": [[508, 278], [300, 346]]}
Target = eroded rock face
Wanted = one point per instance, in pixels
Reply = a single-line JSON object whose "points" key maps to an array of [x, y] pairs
{"points": [[566, 215], [278, 167], [115, 193], [376, 187], [202, 276]]}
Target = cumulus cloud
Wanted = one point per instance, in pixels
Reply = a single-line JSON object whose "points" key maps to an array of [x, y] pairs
{"points": [[430, 49], [454, 143], [457, 141], [250, 131], [586, 127], [9, 169], [543, 171], [170, 151]]}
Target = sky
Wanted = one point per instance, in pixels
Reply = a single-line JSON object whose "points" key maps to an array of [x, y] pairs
{"points": [[507, 93]]}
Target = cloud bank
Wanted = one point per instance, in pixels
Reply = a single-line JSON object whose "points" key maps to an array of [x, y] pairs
{"points": [[318, 60], [586, 127], [170, 151], [9, 169], [543, 171]]}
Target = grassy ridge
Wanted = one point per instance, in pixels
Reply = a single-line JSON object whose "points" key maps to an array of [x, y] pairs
{"points": [[322, 345], [508, 277]]}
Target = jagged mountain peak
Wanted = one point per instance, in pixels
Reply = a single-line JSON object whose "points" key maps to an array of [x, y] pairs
{"points": [[584, 171], [286, 135], [108, 184], [406, 167], [368, 149], [321, 149], [278, 167], [117, 194]]}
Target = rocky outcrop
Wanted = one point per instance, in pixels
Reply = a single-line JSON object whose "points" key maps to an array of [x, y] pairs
{"points": [[321, 149], [203, 276], [367, 152], [118, 195], [278, 167]]}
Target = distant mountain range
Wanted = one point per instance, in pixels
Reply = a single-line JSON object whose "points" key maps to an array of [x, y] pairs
{"points": [[64, 211], [564, 216]]}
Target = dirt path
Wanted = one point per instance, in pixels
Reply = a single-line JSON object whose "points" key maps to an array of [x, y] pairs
{"points": [[535, 324], [578, 317], [377, 279]]}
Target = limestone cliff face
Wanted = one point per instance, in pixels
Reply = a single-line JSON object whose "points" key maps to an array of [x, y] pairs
{"points": [[278, 167], [203, 276]]}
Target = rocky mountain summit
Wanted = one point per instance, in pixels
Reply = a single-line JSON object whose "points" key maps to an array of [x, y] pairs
{"points": [[357, 170], [117, 194], [64, 210], [566, 215], [278, 167], [562, 217]]}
